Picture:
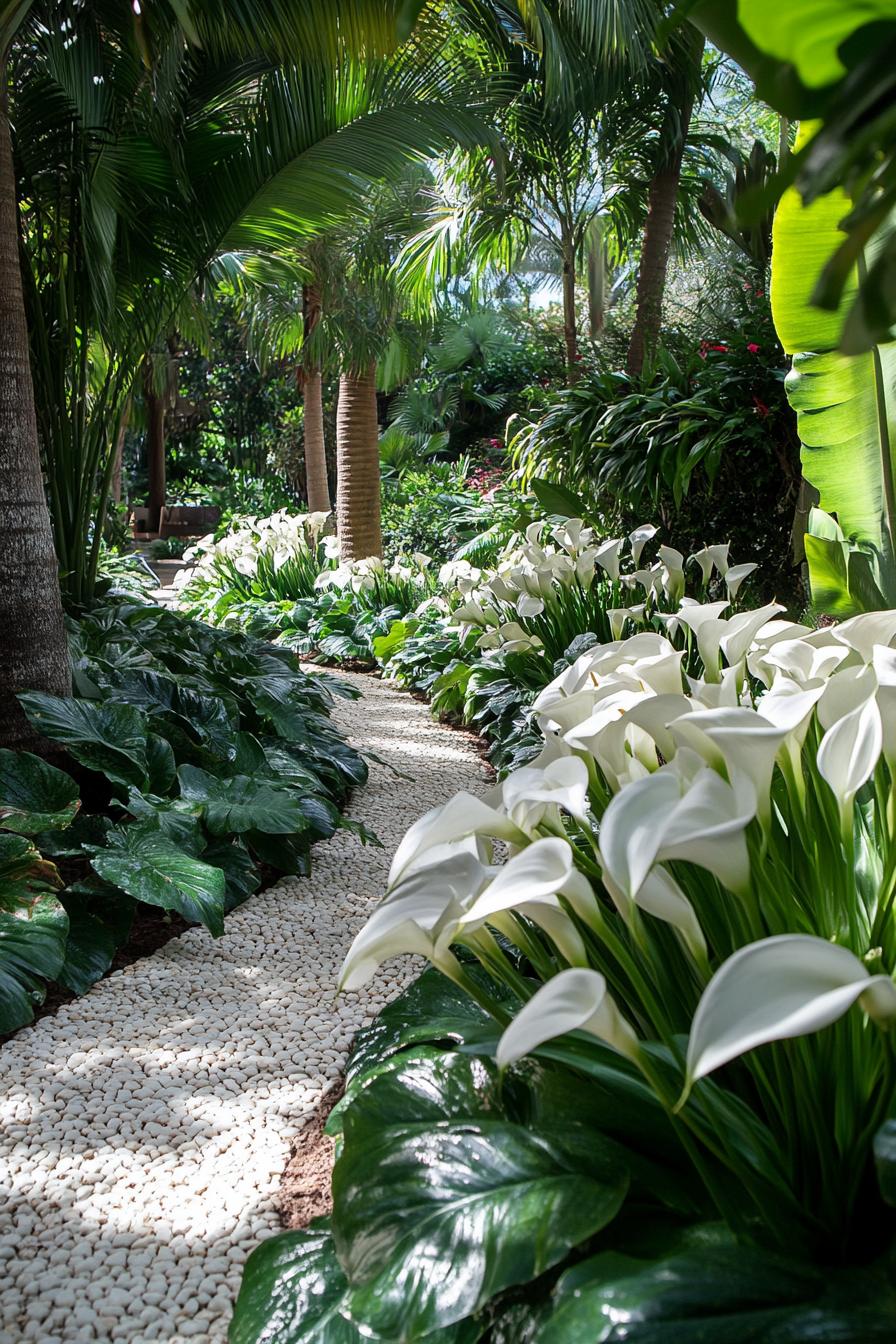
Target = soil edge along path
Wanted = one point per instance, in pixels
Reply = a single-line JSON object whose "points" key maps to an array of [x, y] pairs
{"points": [[144, 1128]]}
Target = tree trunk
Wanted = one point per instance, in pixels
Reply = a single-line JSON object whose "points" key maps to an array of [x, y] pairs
{"points": [[358, 465], [657, 241], [118, 465], [316, 486], [155, 448], [570, 335], [32, 635]]}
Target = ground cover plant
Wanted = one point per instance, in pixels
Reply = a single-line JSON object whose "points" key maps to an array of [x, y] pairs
{"points": [[674, 992], [191, 763]]}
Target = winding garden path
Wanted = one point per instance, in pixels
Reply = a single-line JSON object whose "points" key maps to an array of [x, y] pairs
{"points": [[144, 1128]]}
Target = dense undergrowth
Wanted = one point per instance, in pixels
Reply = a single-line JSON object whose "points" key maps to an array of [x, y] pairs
{"points": [[646, 1091], [190, 763]]}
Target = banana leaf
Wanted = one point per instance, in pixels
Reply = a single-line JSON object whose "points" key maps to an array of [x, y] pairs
{"points": [[846, 412]]}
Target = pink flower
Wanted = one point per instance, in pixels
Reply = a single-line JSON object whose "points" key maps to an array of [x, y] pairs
{"points": [[753, 348]]}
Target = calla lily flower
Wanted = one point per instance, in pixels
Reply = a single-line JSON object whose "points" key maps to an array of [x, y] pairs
{"points": [[741, 629], [863, 632], [673, 572], [704, 619], [421, 916], [849, 752], [607, 556], [528, 793], [574, 1000], [639, 539], [678, 813], [463, 816], [778, 988], [735, 576], [527, 605], [738, 739], [704, 559], [720, 557]]}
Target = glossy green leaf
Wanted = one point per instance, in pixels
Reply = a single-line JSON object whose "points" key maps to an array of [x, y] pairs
{"points": [[292, 1290], [708, 1289], [441, 1202], [102, 735], [151, 867], [32, 950], [90, 948], [34, 796], [24, 872], [559, 500], [845, 404], [238, 868], [241, 803]]}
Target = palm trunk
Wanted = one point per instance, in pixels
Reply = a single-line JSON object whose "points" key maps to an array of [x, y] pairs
{"points": [[32, 634], [155, 449], [358, 466], [570, 335], [316, 486], [657, 242], [118, 462]]}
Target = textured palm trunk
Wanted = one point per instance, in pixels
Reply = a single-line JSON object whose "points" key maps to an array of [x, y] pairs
{"points": [[32, 635], [358, 467], [570, 334], [155, 449], [656, 245], [316, 485], [118, 460]]}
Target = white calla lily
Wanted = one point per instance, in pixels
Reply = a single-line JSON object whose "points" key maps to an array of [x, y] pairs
{"points": [[848, 755], [461, 817], [863, 632], [536, 872], [573, 1000], [527, 794], [678, 813], [607, 556], [421, 916], [639, 539], [672, 573], [705, 560], [740, 739], [778, 988], [741, 629], [735, 577]]}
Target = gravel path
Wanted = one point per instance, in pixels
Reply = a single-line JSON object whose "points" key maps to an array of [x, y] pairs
{"points": [[144, 1128]]}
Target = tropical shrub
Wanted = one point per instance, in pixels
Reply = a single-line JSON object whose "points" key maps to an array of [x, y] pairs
{"points": [[204, 760], [706, 444], [272, 561], [671, 1116]]}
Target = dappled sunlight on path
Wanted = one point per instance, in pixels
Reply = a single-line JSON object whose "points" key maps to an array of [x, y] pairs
{"points": [[144, 1127]]}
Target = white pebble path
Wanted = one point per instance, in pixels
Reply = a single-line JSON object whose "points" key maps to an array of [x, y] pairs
{"points": [[144, 1127]]}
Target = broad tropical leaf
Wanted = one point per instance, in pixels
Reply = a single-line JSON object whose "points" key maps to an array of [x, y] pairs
{"points": [[240, 804], [439, 1210], [151, 867], [34, 796], [846, 408], [103, 736], [32, 950]]}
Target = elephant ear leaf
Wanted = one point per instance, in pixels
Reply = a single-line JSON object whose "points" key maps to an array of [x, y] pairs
{"points": [[34, 796], [102, 735], [32, 950], [846, 411]]}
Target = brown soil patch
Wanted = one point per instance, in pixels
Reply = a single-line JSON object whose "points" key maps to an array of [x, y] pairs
{"points": [[305, 1191]]}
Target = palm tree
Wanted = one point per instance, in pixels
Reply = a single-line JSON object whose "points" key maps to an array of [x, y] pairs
{"points": [[35, 650], [142, 150]]}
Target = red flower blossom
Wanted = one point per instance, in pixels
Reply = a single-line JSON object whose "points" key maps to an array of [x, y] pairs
{"points": [[753, 348]]}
